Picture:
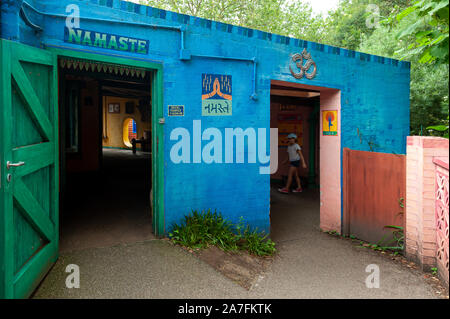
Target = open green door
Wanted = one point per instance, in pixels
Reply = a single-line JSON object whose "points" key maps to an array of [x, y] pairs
{"points": [[28, 167]]}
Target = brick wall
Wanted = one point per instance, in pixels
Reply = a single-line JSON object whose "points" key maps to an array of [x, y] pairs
{"points": [[420, 234]]}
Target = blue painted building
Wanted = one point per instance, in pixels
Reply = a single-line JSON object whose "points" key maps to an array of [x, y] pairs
{"points": [[184, 56]]}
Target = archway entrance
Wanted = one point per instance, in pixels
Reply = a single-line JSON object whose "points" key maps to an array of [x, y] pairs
{"points": [[305, 110]]}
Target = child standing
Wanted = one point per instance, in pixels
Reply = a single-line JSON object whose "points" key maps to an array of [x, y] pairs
{"points": [[295, 157]]}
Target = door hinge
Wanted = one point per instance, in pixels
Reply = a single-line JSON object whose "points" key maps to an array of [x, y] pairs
{"points": [[162, 120]]}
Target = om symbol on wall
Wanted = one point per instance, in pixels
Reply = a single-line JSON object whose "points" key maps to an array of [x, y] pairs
{"points": [[303, 69]]}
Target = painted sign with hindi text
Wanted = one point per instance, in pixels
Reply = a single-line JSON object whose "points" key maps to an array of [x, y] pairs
{"points": [[216, 95]]}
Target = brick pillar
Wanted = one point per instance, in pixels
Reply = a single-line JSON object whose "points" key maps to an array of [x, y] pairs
{"points": [[420, 232]]}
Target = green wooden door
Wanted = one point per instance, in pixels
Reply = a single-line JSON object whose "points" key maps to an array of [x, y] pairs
{"points": [[29, 183]]}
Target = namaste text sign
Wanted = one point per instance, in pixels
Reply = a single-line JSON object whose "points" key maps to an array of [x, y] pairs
{"points": [[303, 68]]}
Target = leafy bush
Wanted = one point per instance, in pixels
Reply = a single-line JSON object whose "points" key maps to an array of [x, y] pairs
{"points": [[441, 129], [200, 230]]}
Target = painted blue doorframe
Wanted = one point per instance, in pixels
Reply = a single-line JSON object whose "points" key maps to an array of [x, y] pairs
{"points": [[372, 89]]}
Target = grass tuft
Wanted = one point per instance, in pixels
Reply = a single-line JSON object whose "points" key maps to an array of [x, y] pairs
{"points": [[200, 230]]}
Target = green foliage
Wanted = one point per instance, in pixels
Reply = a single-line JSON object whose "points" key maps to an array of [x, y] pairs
{"points": [[200, 230], [429, 83], [254, 242], [396, 242], [401, 202], [348, 26], [442, 130], [289, 18], [434, 271], [430, 30]]}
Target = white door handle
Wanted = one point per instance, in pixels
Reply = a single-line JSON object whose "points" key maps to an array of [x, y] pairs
{"points": [[9, 164]]}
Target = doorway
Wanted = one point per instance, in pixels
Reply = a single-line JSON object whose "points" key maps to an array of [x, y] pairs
{"points": [[107, 152], [323, 176], [295, 110]]}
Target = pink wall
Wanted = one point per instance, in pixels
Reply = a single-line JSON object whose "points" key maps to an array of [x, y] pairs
{"points": [[330, 159], [420, 233], [442, 223], [330, 165]]}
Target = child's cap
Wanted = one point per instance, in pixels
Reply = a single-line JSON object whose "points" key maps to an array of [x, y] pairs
{"points": [[292, 135]]}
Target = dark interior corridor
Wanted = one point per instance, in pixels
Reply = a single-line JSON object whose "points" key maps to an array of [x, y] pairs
{"points": [[295, 215], [109, 207]]}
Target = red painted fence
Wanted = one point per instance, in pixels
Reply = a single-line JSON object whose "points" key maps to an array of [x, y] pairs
{"points": [[374, 187]]}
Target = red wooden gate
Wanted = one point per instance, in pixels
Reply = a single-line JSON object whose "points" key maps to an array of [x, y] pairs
{"points": [[374, 188]]}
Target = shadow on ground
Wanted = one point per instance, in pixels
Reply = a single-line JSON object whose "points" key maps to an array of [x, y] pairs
{"points": [[109, 207]]}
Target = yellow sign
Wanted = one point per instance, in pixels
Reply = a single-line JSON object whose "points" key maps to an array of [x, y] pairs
{"points": [[289, 123], [329, 123]]}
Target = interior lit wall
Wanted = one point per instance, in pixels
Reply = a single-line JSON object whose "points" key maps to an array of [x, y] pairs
{"points": [[304, 112], [113, 122]]}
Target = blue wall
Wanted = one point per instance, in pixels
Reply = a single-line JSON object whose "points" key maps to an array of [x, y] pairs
{"points": [[374, 94]]}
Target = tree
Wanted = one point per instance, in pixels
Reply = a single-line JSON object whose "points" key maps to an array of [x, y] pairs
{"points": [[429, 91], [284, 17], [430, 29], [427, 33], [347, 25]]}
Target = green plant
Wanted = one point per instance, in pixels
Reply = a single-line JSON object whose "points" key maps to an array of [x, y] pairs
{"points": [[430, 30], [401, 202], [256, 243], [200, 230], [434, 271], [396, 243], [441, 129], [335, 233]]}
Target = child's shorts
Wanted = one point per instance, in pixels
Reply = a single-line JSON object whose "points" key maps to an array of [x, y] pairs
{"points": [[295, 163]]}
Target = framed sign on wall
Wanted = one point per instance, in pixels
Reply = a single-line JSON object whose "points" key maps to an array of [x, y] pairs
{"points": [[216, 95], [114, 108], [329, 123], [176, 110]]}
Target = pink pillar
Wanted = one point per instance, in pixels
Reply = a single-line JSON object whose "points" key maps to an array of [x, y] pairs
{"points": [[330, 165], [420, 232]]}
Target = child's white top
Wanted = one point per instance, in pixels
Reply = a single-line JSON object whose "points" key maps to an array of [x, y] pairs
{"points": [[292, 151]]}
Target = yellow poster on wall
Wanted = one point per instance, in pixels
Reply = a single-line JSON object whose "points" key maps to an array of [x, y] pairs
{"points": [[329, 123], [289, 123]]}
